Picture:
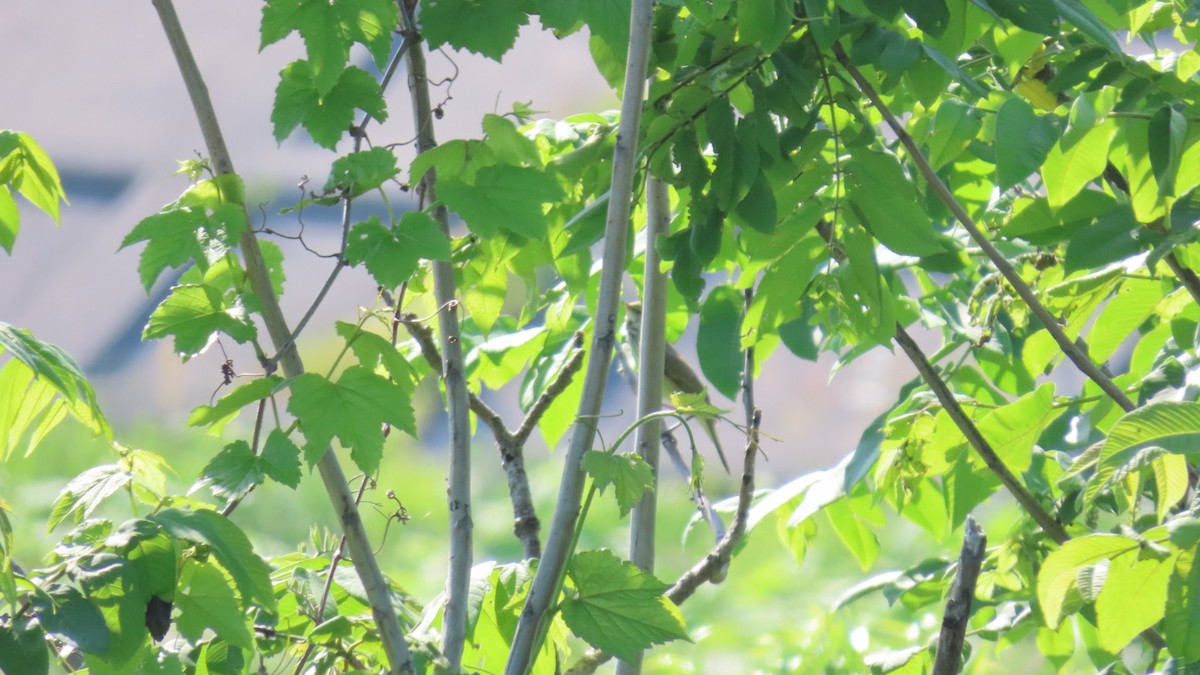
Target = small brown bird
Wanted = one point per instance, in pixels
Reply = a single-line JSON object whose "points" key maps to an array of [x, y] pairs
{"points": [[677, 373]]}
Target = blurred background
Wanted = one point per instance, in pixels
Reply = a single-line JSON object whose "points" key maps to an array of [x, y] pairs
{"points": [[98, 89]]}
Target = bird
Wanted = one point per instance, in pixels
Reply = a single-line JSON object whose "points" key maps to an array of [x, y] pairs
{"points": [[678, 375]]}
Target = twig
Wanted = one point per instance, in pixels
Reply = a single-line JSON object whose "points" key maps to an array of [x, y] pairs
{"points": [[1077, 356], [374, 585], [958, 605], [710, 567], [458, 492], [934, 381], [652, 361], [547, 581]]}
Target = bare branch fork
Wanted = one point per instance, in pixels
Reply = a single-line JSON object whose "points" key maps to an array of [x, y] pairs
{"points": [[511, 444], [1077, 354], [365, 563], [454, 619]]}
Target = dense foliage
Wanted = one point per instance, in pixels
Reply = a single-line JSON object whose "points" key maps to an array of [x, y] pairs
{"points": [[999, 174]]}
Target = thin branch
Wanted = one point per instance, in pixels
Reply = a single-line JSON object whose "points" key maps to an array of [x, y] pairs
{"points": [[1068, 346], [712, 567], [651, 358], [547, 581], [526, 525], [958, 605], [934, 381], [458, 580], [374, 584]]}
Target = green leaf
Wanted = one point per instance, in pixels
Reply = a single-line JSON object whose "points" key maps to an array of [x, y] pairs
{"points": [[231, 548], [230, 405], [360, 172], [173, 242], [764, 22], [206, 602], [1170, 481], [777, 298], [719, 340], [354, 410], [233, 472], [193, 314], [854, 533], [1088, 23], [1066, 171], [884, 198], [68, 616], [1128, 309], [1133, 599], [618, 607], [392, 256], [87, 491], [1168, 133], [1038, 133], [29, 170], [1181, 625], [759, 209], [57, 367], [25, 402], [117, 588], [824, 21], [1057, 576], [487, 27], [954, 126], [328, 30], [932, 16], [280, 459], [508, 144], [1173, 426], [502, 197], [10, 219], [326, 117], [1035, 16], [1014, 428], [373, 350], [607, 20], [23, 648], [628, 473]]}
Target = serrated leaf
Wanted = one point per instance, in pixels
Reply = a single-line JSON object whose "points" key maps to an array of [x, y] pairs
{"points": [[326, 118], [230, 546], [954, 126], [172, 242], [10, 219], [393, 255], [25, 402], [508, 144], [225, 410], [1013, 429], [56, 366], [1067, 171], [68, 616], [607, 20], [354, 410], [328, 30], [1174, 426], [23, 648], [718, 340], [487, 27], [233, 472], [618, 607], [1170, 481], [1181, 624], [1035, 16], [360, 172], [280, 459], [193, 315], [932, 16], [87, 491], [1168, 133], [1133, 599], [1034, 136], [117, 588], [1057, 576], [629, 474], [502, 197], [888, 204], [27, 167], [206, 602]]}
